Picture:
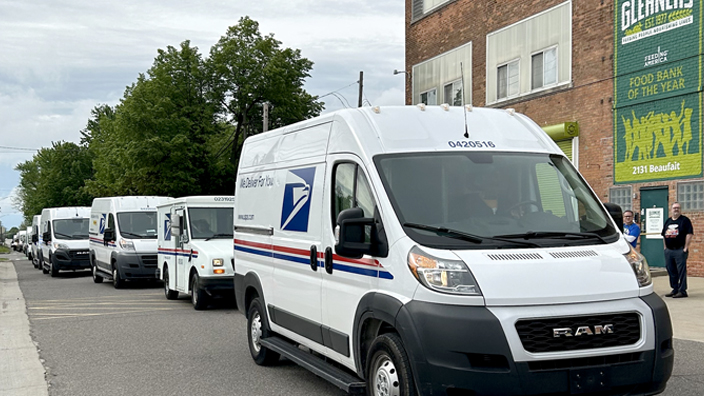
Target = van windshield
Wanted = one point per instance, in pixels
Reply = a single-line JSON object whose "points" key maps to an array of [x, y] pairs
{"points": [[70, 228], [207, 223], [137, 225], [480, 200]]}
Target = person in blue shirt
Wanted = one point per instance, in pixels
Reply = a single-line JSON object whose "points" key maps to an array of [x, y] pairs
{"points": [[631, 230]]}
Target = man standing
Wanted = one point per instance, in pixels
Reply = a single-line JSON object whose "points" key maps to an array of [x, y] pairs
{"points": [[677, 233], [631, 230]]}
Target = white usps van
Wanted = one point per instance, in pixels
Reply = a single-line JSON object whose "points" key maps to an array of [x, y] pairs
{"points": [[36, 241], [195, 248], [440, 250], [123, 232], [64, 239]]}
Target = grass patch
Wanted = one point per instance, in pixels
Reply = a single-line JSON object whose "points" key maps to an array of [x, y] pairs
{"points": [[4, 250]]}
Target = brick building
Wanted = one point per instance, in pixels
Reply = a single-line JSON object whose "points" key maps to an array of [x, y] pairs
{"points": [[617, 84]]}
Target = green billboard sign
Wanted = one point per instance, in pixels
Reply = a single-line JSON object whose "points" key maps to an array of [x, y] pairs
{"points": [[657, 90]]}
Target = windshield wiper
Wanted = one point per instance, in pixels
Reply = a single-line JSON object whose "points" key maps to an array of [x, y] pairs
{"points": [[552, 234], [219, 236], [463, 235], [63, 235], [133, 235]]}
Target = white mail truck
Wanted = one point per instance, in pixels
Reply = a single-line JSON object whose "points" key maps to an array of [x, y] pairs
{"points": [[36, 241], [440, 251], [64, 239], [123, 233], [195, 248]]}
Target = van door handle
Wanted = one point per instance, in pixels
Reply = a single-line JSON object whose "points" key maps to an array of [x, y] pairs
{"points": [[314, 258], [328, 260]]}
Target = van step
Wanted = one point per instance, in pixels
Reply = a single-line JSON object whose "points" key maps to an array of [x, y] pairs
{"points": [[340, 378]]}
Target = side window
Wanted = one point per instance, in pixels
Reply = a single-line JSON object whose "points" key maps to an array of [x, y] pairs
{"points": [[111, 222], [351, 190]]}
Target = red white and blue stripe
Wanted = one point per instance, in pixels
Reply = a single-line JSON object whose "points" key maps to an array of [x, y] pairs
{"points": [[179, 252], [100, 242], [364, 267]]}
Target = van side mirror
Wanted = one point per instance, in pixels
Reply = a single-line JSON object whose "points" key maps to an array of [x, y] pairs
{"points": [[109, 235], [35, 238], [46, 236], [616, 214], [352, 231]]}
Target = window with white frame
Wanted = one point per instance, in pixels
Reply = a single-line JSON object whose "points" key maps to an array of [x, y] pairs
{"points": [[446, 78], [453, 93], [507, 80], [690, 195], [430, 4], [541, 43], [621, 196], [429, 97], [544, 68]]}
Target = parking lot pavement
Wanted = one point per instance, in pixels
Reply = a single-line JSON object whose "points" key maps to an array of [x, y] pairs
{"points": [[687, 313], [22, 372]]}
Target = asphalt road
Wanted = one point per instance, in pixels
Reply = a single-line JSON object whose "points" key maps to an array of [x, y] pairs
{"points": [[95, 340]]}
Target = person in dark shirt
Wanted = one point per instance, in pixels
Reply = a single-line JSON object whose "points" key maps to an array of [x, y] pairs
{"points": [[677, 233]]}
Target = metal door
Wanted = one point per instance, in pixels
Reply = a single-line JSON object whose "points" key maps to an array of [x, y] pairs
{"points": [[653, 213]]}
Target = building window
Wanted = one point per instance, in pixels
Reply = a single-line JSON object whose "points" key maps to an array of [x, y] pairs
{"points": [[690, 195], [430, 4], [453, 93], [507, 80], [429, 98], [621, 196], [444, 78], [544, 68]]}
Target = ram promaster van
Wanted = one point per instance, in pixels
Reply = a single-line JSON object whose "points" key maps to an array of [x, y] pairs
{"points": [[195, 248], [36, 241], [123, 238], [64, 239], [440, 251]]}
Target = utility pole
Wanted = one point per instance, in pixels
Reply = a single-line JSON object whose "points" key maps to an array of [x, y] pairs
{"points": [[266, 117], [361, 88]]}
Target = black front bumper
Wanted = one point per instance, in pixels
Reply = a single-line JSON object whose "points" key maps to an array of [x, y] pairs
{"points": [[459, 350], [136, 265], [219, 285], [70, 259]]}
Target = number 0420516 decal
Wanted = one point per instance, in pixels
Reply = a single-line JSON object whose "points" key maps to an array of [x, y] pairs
{"points": [[471, 144]]}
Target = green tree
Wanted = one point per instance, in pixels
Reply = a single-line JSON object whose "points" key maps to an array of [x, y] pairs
{"points": [[54, 177], [248, 70]]}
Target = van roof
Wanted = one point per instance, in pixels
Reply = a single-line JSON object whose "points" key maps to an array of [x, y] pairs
{"points": [[203, 200], [68, 212], [397, 129]]}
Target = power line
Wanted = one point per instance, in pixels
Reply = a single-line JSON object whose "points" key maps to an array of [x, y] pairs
{"points": [[18, 148]]}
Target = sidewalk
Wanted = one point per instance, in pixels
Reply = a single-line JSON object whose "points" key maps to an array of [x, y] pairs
{"points": [[21, 372], [687, 314]]}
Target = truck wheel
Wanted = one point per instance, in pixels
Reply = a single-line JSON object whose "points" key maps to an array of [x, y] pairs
{"points": [[44, 269], [170, 294], [257, 328], [199, 298], [96, 278], [388, 369], [53, 268], [117, 281]]}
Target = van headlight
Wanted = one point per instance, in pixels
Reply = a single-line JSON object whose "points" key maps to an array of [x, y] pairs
{"points": [[446, 276], [218, 262], [640, 267], [126, 245], [62, 246]]}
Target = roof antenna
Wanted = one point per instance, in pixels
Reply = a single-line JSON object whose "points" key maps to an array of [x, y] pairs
{"points": [[466, 130]]}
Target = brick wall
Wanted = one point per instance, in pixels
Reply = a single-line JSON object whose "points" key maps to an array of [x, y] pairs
{"points": [[589, 99]]}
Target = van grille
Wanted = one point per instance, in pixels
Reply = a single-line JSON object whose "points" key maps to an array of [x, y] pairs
{"points": [[537, 334], [574, 254], [590, 361], [149, 260], [514, 256]]}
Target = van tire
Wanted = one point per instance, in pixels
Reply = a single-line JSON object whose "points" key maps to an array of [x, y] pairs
{"points": [[44, 269], [258, 328], [117, 281], [388, 368], [170, 294], [53, 269], [199, 298], [96, 278]]}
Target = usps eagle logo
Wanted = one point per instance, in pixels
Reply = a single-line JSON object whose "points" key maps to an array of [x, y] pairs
{"points": [[101, 226], [295, 210], [167, 227]]}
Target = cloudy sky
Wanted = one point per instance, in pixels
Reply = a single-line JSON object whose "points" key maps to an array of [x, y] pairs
{"points": [[61, 58]]}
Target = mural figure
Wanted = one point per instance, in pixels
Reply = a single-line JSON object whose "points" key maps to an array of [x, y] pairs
{"points": [[649, 133]]}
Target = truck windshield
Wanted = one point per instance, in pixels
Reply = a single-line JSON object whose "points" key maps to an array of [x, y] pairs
{"points": [[137, 225], [207, 223], [499, 198], [70, 228]]}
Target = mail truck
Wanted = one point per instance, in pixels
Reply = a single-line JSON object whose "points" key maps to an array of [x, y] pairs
{"points": [[440, 250], [64, 239], [36, 241], [195, 248]]}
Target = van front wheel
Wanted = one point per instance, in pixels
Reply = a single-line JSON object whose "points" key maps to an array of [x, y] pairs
{"points": [[199, 298], [388, 369], [257, 329], [170, 294]]}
